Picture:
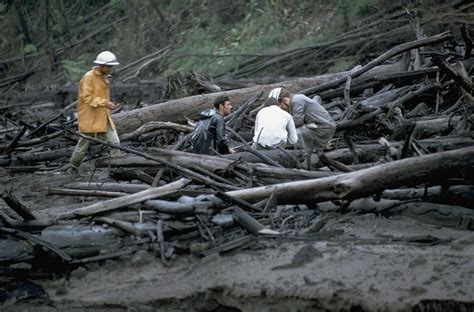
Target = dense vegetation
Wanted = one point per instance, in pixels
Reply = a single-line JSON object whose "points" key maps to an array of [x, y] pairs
{"points": [[53, 41]]}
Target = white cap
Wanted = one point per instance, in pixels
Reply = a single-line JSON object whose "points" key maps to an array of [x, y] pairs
{"points": [[106, 58], [275, 93]]}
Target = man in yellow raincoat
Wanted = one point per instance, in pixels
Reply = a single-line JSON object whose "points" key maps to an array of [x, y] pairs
{"points": [[94, 108]]}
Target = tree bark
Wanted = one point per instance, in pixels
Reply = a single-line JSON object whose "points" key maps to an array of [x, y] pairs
{"points": [[124, 201], [154, 125], [112, 187], [385, 56], [362, 183], [177, 110]]}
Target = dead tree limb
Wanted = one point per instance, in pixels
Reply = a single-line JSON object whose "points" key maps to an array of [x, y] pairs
{"points": [[126, 200], [385, 56], [177, 110], [362, 183], [446, 68], [122, 225], [38, 241], [155, 125], [185, 171], [12, 202]]}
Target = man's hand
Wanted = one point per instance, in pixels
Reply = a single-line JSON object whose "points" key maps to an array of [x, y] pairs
{"points": [[111, 105], [231, 151]]}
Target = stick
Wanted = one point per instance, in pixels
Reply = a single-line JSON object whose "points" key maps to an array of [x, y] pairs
{"points": [[265, 158], [385, 56], [92, 193], [12, 202], [122, 225], [185, 171], [15, 140], [247, 221], [126, 200], [237, 201]]}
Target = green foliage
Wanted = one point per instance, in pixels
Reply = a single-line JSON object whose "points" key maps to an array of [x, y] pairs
{"points": [[76, 68], [261, 32], [365, 7], [117, 4], [342, 64], [193, 43], [207, 36], [29, 48]]}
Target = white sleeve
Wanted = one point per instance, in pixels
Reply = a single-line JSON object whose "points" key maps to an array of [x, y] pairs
{"points": [[290, 127]]}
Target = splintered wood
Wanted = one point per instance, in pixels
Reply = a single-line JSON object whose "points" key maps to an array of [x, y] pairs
{"points": [[403, 145]]}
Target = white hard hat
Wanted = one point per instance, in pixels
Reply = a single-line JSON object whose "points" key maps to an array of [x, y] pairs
{"points": [[275, 93], [106, 58]]}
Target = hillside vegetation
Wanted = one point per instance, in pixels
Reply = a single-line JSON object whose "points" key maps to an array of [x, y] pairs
{"points": [[53, 42]]}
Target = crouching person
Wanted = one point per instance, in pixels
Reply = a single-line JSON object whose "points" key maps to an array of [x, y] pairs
{"points": [[274, 127], [314, 125], [210, 137]]}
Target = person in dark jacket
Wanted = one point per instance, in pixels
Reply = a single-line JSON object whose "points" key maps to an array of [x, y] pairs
{"points": [[210, 138]]}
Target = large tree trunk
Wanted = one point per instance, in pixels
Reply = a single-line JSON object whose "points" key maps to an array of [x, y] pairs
{"points": [[365, 182], [177, 110], [212, 164]]}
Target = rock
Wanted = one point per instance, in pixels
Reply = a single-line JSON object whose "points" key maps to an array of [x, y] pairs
{"points": [[420, 260], [305, 255], [142, 257], [197, 248], [79, 273]]}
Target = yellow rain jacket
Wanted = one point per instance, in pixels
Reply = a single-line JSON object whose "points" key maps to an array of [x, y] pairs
{"points": [[93, 113]]}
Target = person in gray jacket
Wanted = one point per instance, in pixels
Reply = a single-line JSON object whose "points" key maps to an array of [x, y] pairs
{"points": [[314, 125], [210, 137]]}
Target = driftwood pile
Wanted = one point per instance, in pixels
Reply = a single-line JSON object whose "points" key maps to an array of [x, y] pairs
{"points": [[404, 145]]}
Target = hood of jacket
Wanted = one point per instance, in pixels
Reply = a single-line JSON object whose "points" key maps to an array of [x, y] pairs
{"points": [[206, 114]]}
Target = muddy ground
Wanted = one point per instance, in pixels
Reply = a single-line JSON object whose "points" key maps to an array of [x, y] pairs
{"points": [[357, 262]]}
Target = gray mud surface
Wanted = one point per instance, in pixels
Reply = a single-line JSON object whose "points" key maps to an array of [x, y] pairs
{"points": [[355, 263]]}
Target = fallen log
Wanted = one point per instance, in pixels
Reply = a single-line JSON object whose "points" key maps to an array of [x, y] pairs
{"points": [[213, 164], [422, 210], [11, 200], [176, 208], [177, 110], [36, 240], [36, 157], [154, 125], [461, 195], [385, 56], [185, 171], [91, 193], [126, 200], [80, 240], [251, 224], [7, 148], [113, 187], [127, 227], [464, 82], [362, 183], [434, 213]]}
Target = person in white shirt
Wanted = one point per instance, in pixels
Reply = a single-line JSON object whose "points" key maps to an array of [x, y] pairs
{"points": [[274, 127], [314, 124]]}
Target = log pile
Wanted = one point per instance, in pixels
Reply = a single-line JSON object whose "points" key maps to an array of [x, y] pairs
{"points": [[404, 145]]}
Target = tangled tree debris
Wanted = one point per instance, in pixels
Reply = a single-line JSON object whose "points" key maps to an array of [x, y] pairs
{"points": [[403, 147]]}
